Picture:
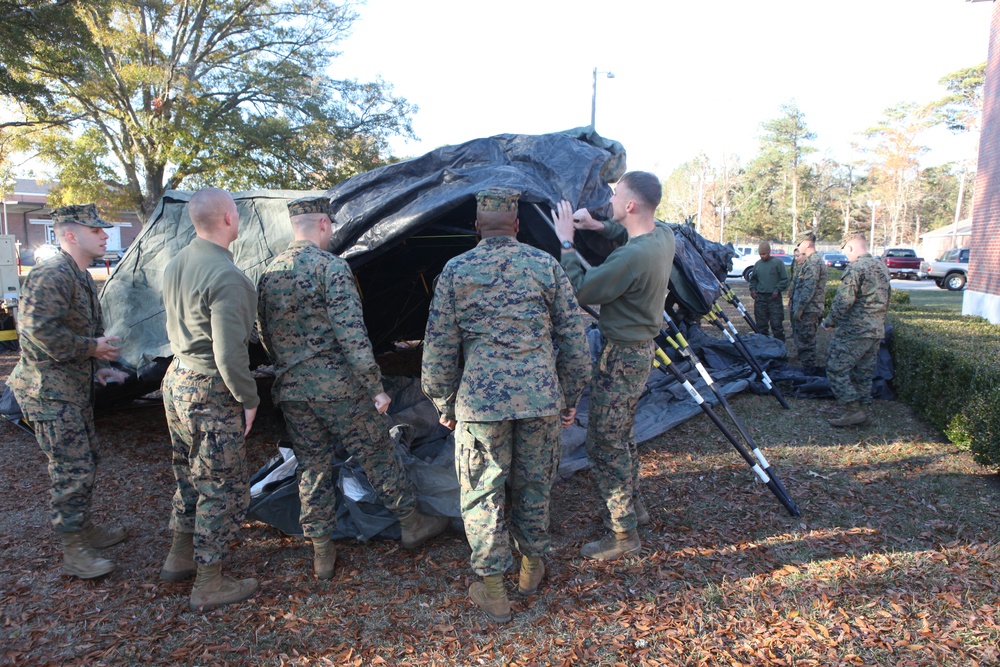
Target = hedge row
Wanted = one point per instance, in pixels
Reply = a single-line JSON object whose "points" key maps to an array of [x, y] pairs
{"points": [[948, 369]]}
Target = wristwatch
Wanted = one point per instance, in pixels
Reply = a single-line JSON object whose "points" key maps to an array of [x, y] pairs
{"points": [[568, 245]]}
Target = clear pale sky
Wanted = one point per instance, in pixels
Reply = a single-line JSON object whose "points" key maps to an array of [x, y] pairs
{"points": [[689, 76]]}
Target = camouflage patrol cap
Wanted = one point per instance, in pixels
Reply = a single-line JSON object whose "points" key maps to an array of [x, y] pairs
{"points": [[503, 200], [81, 214], [308, 205]]}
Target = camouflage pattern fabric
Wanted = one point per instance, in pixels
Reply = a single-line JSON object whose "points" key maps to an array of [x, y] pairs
{"points": [[804, 332], [523, 452], [618, 381], [209, 460], [510, 309], [312, 326], [810, 286], [311, 323], [316, 428], [858, 311], [850, 365], [806, 306], [769, 315], [65, 433], [59, 321]]}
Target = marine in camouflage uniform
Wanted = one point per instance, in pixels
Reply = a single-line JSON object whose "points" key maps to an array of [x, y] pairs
{"points": [[858, 312], [327, 382], [630, 286], [63, 350], [806, 302], [767, 281], [509, 310], [210, 398]]}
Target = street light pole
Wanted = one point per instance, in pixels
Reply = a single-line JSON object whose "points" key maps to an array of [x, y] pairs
{"points": [[873, 203], [593, 99]]}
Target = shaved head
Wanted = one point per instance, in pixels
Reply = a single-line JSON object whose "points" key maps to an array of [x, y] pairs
{"points": [[208, 208]]}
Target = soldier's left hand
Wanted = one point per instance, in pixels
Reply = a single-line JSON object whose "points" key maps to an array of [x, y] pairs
{"points": [[106, 375], [568, 416], [448, 422], [776, 296]]}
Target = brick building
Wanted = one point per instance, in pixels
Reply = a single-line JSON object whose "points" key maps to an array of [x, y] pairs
{"points": [[982, 296], [25, 214]]}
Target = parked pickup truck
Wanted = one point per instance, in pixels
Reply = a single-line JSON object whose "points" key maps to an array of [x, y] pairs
{"points": [[902, 262], [950, 271]]}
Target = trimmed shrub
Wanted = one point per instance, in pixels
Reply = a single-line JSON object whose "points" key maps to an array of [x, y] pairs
{"points": [[947, 368]]}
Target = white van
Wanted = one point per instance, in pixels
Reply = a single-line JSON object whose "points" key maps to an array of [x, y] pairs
{"points": [[746, 257]]}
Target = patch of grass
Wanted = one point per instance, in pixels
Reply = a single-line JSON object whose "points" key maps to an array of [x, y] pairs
{"points": [[937, 299]]}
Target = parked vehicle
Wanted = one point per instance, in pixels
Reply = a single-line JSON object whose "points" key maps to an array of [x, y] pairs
{"points": [[45, 251], [902, 263], [950, 271], [744, 261], [836, 260]]}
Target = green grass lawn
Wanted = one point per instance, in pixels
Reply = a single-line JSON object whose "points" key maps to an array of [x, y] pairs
{"points": [[938, 299]]}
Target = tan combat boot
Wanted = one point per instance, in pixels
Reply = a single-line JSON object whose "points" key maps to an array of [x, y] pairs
{"points": [[417, 528], [612, 546], [641, 513], [853, 415], [490, 596], [212, 590], [99, 537], [180, 564], [532, 573], [324, 557], [80, 559]]}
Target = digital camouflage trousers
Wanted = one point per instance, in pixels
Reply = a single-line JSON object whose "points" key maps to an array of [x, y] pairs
{"points": [[209, 461], [523, 452], [617, 382]]}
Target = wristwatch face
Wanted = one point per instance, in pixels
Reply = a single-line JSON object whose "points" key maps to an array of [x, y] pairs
{"points": [[568, 245]]}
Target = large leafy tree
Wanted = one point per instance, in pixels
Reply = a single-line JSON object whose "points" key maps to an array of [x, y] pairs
{"points": [[771, 183], [895, 151], [224, 92], [961, 109]]}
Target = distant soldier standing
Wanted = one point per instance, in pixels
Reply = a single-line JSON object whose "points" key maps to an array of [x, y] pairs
{"points": [[630, 286], [806, 301], [858, 312], [211, 400], [767, 281], [63, 350], [509, 310], [328, 385]]}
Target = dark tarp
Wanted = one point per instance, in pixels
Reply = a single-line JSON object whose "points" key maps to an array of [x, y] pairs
{"points": [[397, 226]]}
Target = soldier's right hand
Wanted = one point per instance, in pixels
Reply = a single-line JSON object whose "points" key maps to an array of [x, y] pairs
{"points": [[106, 349], [382, 402], [567, 416], [448, 422], [753, 295]]}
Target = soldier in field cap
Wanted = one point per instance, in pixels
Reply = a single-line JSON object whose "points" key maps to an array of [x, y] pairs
{"points": [[63, 350], [510, 309], [806, 301], [328, 385]]}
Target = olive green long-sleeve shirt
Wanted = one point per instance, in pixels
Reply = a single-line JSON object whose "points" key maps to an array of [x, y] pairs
{"points": [[769, 276], [631, 284], [211, 307]]}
